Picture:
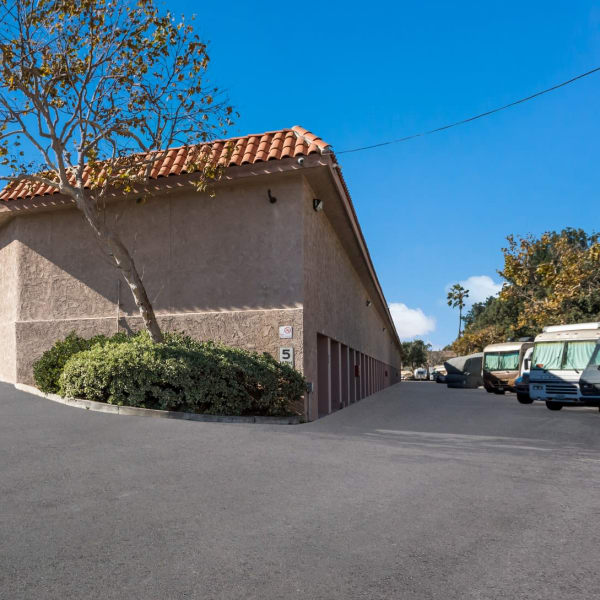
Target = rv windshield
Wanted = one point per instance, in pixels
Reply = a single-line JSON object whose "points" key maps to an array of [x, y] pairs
{"points": [[562, 356], [578, 355], [502, 361], [595, 358], [547, 355]]}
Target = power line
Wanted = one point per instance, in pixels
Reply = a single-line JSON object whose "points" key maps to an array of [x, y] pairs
{"points": [[485, 114]]}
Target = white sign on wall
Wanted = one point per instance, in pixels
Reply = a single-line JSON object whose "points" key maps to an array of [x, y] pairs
{"points": [[286, 331], [286, 355]]}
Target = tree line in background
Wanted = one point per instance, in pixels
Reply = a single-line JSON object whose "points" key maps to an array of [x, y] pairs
{"points": [[550, 280], [415, 354], [418, 353]]}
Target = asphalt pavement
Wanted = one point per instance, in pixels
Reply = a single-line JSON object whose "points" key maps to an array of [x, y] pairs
{"points": [[419, 492]]}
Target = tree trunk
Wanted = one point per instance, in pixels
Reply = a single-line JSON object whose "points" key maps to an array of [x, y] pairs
{"points": [[114, 246], [459, 319]]}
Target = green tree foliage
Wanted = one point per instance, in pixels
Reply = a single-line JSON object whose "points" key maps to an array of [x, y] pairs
{"points": [[475, 340], [47, 369], [414, 354], [555, 279], [550, 280], [502, 313]]}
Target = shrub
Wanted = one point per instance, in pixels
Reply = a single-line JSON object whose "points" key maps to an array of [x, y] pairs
{"points": [[182, 374], [47, 369]]}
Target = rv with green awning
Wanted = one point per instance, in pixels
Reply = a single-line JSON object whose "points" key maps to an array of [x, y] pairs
{"points": [[560, 354], [501, 365]]}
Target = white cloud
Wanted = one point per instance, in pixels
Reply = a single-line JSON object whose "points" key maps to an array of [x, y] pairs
{"points": [[410, 322], [480, 287]]}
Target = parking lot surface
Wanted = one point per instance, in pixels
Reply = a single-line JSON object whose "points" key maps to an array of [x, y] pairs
{"points": [[416, 492]]}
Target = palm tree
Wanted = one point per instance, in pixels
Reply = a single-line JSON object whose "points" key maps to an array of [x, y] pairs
{"points": [[456, 299]]}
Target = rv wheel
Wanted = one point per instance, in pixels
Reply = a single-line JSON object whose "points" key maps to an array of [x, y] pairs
{"points": [[524, 398], [553, 405]]}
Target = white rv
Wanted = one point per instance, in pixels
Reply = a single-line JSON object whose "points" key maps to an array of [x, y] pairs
{"points": [[526, 362], [560, 354], [420, 374], [522, 381]]}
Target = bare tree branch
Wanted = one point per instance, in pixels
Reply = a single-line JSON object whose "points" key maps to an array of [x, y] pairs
{"points": [[99, 90]]}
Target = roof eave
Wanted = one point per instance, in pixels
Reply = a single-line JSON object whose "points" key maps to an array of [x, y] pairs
{"points": [[169, 184]]}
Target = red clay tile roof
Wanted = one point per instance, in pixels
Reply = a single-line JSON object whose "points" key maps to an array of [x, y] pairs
{"points": [[247, 150]]}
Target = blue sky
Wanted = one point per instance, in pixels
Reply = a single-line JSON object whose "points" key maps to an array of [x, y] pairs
{"points": [[434, 210]]}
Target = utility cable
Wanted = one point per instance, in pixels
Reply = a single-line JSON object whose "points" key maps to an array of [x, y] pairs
{"points": [[463, 121]]}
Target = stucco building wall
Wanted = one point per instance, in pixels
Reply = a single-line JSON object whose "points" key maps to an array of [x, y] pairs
{"points": [[236, 251], [9, 300], [254, 330], [227, 268], [335, 299]]}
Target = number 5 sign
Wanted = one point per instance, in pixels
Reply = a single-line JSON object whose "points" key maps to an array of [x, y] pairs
{"points": [[286, 355]]}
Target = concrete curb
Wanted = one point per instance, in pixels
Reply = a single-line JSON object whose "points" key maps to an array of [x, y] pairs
{"points": [[134, 411]]}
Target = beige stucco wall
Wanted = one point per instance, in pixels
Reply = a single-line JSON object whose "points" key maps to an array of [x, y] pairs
{"points": [[252, 329], [9, 299], [226, 268], [235, 251], [335, 298]]}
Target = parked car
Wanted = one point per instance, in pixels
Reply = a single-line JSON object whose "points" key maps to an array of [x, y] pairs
{"points": [[464, 371], [501, 365], [436, 372], [522, 381], [406, 375], [560, 355]]}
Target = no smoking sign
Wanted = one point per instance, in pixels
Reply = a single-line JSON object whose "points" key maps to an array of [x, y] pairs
{"points": [[286, 332]]}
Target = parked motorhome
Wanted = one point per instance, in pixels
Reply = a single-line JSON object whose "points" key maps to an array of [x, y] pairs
{"points": [[420, 374], [560, 354], [464, 371], [589, 382], [522, 381], [501, 365]]}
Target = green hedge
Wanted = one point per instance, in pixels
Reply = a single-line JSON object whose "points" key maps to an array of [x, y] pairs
{"points": [[47, 370], [180, 374]]}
